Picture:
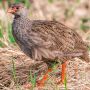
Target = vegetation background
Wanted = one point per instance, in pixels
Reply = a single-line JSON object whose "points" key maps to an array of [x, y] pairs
{"points": [[73, 13]]}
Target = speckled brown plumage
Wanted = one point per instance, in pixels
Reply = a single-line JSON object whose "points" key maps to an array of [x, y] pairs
{"points": [[47, 40]]}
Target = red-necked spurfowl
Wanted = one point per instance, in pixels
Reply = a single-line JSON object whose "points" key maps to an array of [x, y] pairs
{"points": [[46, 40]]}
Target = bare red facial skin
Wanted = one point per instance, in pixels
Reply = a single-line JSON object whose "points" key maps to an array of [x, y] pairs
{"points": [[12, 10]]}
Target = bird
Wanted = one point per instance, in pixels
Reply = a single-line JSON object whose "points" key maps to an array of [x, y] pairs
{"points": [[46, 40]]}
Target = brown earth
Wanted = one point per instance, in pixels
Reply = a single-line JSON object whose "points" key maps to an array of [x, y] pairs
{"points": [[78, 72]]}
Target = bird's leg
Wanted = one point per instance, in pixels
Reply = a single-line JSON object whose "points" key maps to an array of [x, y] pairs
{"points": [[41, 82], [63, 73], [45, 77], [76, 70]]}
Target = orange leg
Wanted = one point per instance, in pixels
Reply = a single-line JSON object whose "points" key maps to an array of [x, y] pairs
{"points": [[76, 70], [45, 77], [63, 74]]}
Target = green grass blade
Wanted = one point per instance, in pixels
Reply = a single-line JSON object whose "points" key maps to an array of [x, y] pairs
{"points": [[65, 83], [10, 36], [2, 44], [14, 75], [1, 34], [85, 20], [16, 1], [50, 1], [32, 79], [14, 71], [27, 3], [84, 27]]}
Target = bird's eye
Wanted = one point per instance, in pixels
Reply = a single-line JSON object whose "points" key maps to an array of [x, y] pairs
{"points": [[17, 7]]}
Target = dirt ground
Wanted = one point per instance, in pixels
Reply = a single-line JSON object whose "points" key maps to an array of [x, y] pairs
{"points": [[78, 72]]}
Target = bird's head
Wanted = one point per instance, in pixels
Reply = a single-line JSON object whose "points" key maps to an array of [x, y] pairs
{"points": [[17, 9]]}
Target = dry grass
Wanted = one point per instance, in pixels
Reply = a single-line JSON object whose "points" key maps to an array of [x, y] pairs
{"points": [[79, 80]]}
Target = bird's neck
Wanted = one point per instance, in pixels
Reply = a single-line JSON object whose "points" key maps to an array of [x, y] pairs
{"points": [[21, 21], [17, 16], [21, 18]]}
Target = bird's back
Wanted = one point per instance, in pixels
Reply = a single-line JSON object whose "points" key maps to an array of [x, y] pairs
{"points": [[50, 40], [54, 39]]}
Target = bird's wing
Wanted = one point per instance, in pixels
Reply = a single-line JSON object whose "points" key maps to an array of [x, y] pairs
{"points": [[51, 34], [50, 39]]}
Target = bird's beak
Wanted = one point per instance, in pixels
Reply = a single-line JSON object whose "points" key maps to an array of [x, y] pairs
{"points": [[10, 10]]}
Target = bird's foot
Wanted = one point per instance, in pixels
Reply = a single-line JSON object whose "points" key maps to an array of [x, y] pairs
{"points": [[59, 81], [41, 82]]}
